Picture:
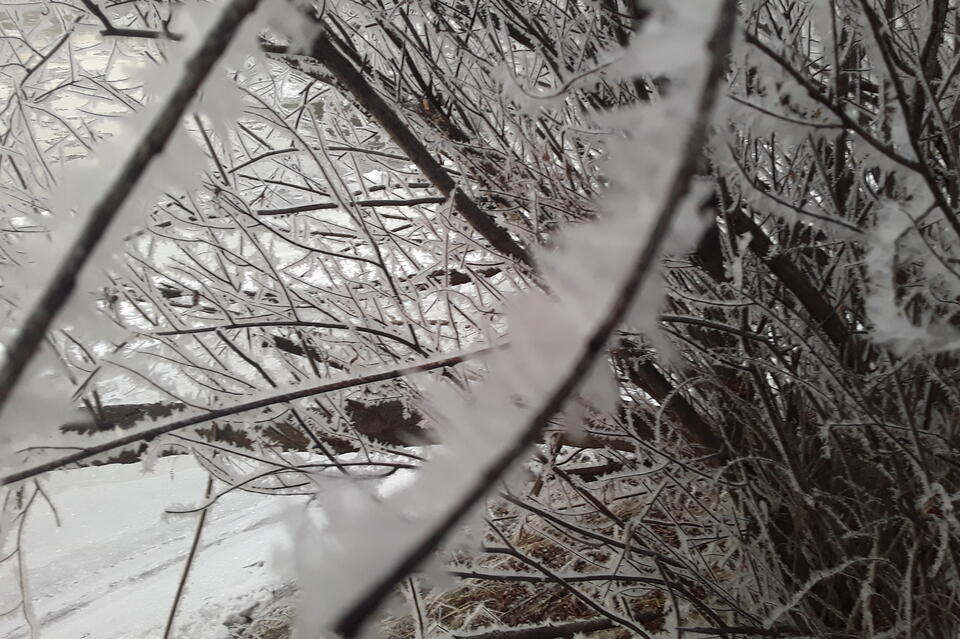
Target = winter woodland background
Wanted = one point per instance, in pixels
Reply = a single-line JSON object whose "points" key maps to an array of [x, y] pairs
{"points": [[517, 318]]}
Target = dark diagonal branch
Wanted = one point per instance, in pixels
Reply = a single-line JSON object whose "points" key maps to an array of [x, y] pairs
{"points": [[37, 322], [227, 411], [350, 79]]}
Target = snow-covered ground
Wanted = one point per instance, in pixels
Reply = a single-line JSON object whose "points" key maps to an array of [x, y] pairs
{"points": [[110, 570]]}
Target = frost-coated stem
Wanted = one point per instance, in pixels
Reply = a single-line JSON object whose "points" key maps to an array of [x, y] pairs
{"points": [[110, 30], [544, 632], [64, 280], [351, 622], [194, 545], [217, 413]]}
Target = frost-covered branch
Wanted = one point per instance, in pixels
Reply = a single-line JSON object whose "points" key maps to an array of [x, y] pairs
{"points": [[348, 621], [217, 413], [37, 321]]}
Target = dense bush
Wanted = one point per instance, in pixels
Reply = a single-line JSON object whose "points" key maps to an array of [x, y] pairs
{"points": [[658, 299]]}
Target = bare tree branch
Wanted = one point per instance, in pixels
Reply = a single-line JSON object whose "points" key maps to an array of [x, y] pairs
{"points": [[35, 325], [217, 413]]}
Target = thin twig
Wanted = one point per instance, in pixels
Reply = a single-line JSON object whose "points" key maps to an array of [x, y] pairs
{"points": [[122, 32], [550, 631], [189, 564]]}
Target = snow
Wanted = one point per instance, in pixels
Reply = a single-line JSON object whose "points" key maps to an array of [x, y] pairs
{"points": [[110, 570]]}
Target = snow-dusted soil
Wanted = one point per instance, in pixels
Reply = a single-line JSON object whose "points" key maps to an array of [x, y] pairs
{"points": [[110, 570]]}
